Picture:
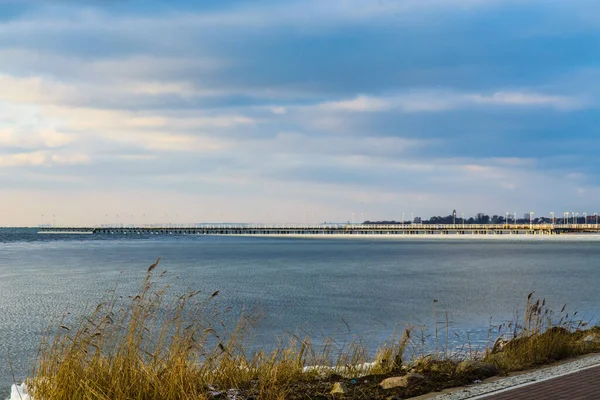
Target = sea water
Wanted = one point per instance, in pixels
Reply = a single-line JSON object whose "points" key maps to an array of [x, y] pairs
{"points": [[322, 287]]}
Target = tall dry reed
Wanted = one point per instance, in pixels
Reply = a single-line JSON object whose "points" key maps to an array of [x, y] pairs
{"points": [[149, 347]]}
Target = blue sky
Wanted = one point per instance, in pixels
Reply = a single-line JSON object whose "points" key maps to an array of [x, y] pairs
{"points": [[296, 111]]}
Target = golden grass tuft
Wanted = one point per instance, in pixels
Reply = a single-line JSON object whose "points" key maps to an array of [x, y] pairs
{"points": [[543, 336], [146, 347]]}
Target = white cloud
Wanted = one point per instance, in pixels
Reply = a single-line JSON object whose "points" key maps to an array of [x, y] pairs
{"points": [[526, 99], [69, 159], [360, 103], [22, 138], [23, 159], [278, 110], [431, 101], [95, 90], [42, 158]]}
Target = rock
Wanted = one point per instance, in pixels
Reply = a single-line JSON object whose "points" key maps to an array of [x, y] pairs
{"points": [[499, 345], [477, 368], [339, 388], [401, 381], [592, 338], [234, 394]]}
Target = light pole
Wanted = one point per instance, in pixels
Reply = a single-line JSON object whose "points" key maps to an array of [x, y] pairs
{"points": [[454, 218], [506, 221], [515, 214], [552, 213], [411, 218], [531, 220]]}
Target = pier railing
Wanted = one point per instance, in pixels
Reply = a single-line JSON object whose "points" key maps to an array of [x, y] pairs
{"points": [[327, 229]]}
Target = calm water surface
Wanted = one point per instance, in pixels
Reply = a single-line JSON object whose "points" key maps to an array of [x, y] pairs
{"points": [[298, 285]]}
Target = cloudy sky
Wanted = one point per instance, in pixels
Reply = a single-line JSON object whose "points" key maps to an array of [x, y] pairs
{"points": [[290, 111]]}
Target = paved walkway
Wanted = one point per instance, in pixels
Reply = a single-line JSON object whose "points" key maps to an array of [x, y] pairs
{"points": [[581, 385]]}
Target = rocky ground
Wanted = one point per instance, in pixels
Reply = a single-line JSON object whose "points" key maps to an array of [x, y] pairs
{"points": [[425, 377]]}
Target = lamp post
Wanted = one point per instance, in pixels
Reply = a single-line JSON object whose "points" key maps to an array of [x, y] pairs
{"points": [[531, 220], [552, 213], [506, 221]]}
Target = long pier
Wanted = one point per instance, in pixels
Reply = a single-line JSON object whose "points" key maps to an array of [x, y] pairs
{"points": [[329, 229]]}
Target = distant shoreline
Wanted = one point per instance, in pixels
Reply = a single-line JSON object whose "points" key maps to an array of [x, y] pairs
{"points": [[515, 237]]}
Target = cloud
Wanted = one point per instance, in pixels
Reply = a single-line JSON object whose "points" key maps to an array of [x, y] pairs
{"points": [[268, 107], [10, 137], [97, 92], [260, 15], [361, 103], [431, 101], [42, 158], [278, 110], [526, 99]]}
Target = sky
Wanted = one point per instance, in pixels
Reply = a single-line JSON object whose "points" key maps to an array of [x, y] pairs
{"points": [[139, 112]]}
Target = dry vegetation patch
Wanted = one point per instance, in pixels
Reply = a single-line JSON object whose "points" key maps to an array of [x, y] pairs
{"points": [[148, 347]]}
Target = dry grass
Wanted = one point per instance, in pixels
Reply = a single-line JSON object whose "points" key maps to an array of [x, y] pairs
{"points": [[542, 337], [145, 347]]}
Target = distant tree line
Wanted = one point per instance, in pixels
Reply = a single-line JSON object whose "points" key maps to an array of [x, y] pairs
{"points": [[482, 218]]}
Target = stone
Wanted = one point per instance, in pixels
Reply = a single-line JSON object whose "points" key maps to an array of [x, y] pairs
{"points": [[401, 381], [499, 345], [477, 368], [592, 338], [234, 394], [338, 388]]}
